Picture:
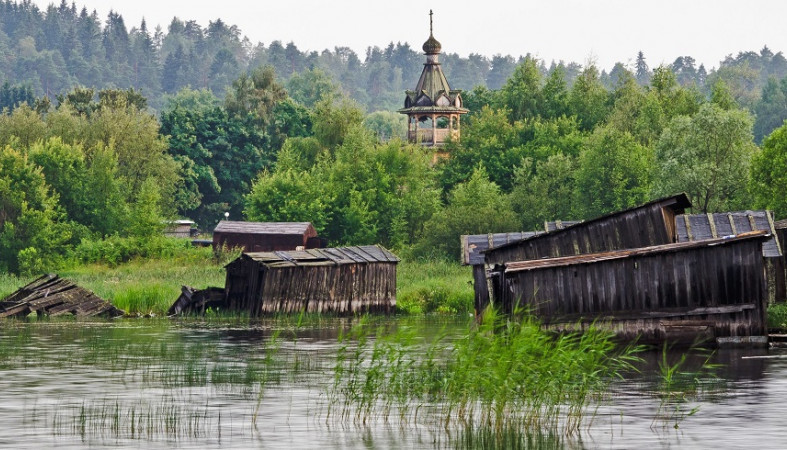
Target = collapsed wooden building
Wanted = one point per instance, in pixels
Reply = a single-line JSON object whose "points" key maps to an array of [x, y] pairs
{"points": [[710, 289], [652, 223], [345, 280], [650, 270], [53, 296]]}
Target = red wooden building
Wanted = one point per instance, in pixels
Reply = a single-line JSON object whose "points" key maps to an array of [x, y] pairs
{"points": [[266, 236]]}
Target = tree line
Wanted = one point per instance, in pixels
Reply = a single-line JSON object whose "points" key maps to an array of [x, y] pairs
{"points": [[94, 174], [50, 51]]}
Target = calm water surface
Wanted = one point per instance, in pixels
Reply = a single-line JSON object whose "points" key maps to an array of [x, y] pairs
{"points": [[151, 384]]}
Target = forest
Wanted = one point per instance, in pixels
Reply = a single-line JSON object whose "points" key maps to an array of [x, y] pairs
{"points": [[106, 132]]}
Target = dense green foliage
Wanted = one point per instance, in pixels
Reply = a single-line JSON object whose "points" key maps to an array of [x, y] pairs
{"points": [[273, 134], [64, 45]]}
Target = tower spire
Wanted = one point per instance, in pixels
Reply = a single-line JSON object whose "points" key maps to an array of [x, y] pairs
{"points": [[430, 23]]}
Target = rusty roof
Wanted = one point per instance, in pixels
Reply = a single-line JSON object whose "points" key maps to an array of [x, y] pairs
{"points": [[363, 254], [518, 266], [228, 226]]}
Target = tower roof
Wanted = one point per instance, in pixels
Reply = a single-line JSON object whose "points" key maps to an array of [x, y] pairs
{"points": [[433, 92]]}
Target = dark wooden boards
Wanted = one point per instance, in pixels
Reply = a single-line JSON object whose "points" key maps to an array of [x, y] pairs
{"points": [[55, 296]]}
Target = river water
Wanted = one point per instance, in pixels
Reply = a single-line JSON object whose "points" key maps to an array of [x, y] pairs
{"points": [[157, 384]]}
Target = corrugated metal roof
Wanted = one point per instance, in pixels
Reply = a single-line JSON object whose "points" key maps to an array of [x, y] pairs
{"points": [[698, 227], [228, 226], [535, 264], [324, 256], [680, 202]]}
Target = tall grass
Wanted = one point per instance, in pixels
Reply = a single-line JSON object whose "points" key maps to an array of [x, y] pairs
{"points": [[426, 286], [8, 284], [502, 374]]}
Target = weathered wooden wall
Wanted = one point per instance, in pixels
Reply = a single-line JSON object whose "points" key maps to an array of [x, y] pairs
{"points": [[313, 285], [716, 284], [650, 224], [264, 236], [697, 227]]}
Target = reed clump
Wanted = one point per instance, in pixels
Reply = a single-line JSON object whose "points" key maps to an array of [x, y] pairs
{"points": [[503, 373]]}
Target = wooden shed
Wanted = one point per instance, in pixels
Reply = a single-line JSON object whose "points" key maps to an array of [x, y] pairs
{"points": [[713, 288], [697, 227], [345, 280], [265, 236], [178, 228]]}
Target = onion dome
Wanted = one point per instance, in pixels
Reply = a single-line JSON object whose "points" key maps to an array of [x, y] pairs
{"points": [[432, 46]]}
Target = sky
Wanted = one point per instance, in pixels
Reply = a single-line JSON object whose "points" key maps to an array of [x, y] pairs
{"points": [[602, 31]]}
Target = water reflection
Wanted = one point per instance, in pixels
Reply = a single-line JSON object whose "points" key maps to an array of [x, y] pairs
{"points": [[195, 385]]}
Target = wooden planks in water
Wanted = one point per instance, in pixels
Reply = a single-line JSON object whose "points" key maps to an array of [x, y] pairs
{"points": [[55, 296], [197, 301], [718, 285]]}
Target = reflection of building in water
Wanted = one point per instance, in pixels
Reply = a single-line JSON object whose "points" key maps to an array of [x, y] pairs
{"points": [[433, 108]]}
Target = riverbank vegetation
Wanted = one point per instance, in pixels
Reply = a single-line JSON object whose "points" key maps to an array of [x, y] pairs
{"points": [[89, 176]]}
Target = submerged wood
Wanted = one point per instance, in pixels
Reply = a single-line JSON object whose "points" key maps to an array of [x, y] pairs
{"points": [[193, 301], [713, 288], [54, 296]]}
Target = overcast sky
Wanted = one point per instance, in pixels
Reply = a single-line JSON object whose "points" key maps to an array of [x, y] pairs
{"points": [[572, 30]]}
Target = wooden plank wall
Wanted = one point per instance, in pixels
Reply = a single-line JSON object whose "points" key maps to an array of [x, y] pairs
{"points": [[722, 286], [640, 227], [323, 288]]}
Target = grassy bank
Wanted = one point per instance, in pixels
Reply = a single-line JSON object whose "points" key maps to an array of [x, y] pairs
{"points": [[150, 285]]}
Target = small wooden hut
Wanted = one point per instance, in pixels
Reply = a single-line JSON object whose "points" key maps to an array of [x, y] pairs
{"points": [[713, 288], [345, 280], [265, 236], [698, 227]]}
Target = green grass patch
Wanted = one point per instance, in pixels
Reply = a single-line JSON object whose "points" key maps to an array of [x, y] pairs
{"points": [[149, 285], [9, 283], [426, 286], [777, 316]]}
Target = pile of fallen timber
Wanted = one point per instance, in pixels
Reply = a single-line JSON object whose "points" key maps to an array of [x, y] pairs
{"points": [[193, 301], [54, 296]]}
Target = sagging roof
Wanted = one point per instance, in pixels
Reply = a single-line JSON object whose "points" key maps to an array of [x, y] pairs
{"points": [[324, 256], [536, 264], [679, 202], [697, 227], [279, 228], [474, 244]]}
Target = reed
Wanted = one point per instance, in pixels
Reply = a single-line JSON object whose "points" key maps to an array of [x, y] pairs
{"points": [[501, 374], [681, 382]]}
